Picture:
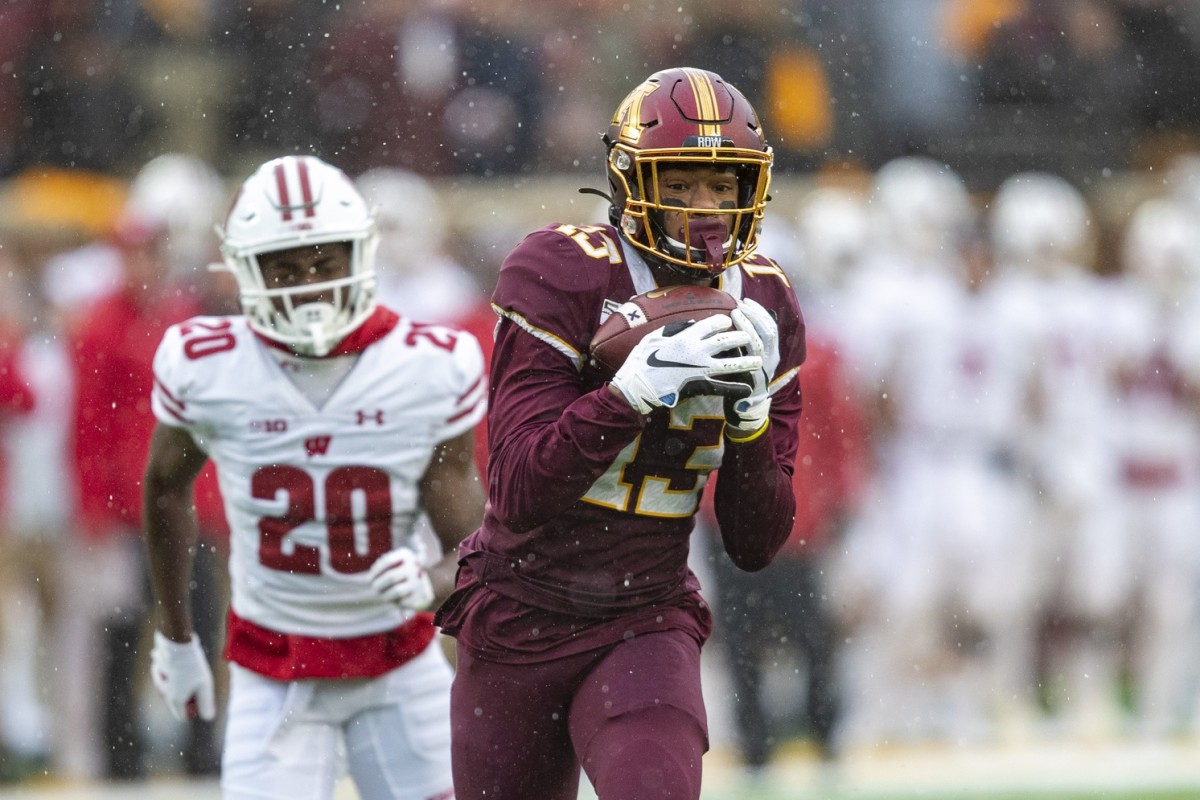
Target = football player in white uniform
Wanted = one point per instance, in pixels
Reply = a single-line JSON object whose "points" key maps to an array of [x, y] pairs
{"points": [[333, 423], [1041, 228], [1158, 445]]}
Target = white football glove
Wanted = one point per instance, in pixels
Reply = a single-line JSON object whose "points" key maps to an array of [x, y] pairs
{"points": [[665, 366], [399, 577], [181, 674], [746, 416]]}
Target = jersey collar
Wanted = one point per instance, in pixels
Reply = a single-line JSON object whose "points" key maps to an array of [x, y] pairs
{"points": [[381, 322]]}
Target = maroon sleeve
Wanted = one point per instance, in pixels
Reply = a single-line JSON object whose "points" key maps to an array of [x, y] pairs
{"points": [[754, 498], [549, 443], [551, 433]]}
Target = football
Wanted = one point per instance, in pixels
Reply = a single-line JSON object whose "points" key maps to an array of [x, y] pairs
{"points": [[621, 330]]}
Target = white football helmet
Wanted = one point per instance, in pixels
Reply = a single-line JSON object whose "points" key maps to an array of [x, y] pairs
{"points": [[921, 206], [299, 201], [835, 235], [409, 215], [1162, 249], [1040, 221], [185, 195]]}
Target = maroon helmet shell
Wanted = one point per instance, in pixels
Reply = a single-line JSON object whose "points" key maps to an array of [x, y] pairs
{"points": [[686, 116]]}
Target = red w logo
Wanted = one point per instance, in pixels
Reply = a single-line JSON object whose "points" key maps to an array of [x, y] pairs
{"points": [[317, 445]]}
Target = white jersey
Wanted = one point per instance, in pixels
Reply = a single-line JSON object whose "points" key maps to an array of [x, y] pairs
{"points": [[315, 494]]}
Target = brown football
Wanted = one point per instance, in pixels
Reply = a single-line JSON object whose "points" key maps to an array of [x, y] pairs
{"points": [[629, 323]]}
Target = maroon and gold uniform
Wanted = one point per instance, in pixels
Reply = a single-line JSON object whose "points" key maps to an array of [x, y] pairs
{"points": [[579, 624], [584, 543]]}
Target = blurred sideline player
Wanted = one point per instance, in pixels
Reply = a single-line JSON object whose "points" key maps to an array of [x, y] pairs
{"points": [[1040, 227], [333, 423], [186, 197], [417, 276], [1158, 447], [26, 559], [579, 624], [787, 608], [112, 348], [903, 292]]}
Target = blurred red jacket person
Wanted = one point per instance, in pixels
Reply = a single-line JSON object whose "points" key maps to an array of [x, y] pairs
{"points": [[112, 346], [15, 394], [834, 457]]}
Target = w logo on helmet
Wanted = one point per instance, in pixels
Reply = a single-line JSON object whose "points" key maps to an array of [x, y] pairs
{"points": [[294, 188]]}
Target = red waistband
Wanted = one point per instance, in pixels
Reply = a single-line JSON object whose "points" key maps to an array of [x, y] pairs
{"points": [[1148, 475], [288, 657]]}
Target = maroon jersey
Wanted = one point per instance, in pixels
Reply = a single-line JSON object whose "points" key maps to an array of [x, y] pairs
{"points": [[590, 504]]}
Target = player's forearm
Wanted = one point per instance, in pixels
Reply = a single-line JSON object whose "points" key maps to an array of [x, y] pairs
{"points": [[755, 500], [171, 535], [755, 503]]}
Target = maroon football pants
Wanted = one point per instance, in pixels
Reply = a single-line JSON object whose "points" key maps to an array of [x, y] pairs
{"points": [[631, 714]]}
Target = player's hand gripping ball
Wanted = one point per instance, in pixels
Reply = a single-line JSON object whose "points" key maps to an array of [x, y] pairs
{"points": [[631, 321]]}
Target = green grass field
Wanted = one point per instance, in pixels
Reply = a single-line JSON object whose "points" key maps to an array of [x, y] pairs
{"points": [[1031, 771], [1046, 770]]}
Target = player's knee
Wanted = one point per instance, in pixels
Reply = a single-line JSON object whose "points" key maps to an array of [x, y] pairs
{"points": [[647, 755]]}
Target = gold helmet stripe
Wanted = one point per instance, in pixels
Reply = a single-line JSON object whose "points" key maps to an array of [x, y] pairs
{"points": [[706, 100]]}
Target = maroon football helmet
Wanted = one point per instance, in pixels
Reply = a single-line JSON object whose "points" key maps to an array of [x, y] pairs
{"points": [[677, 117]]}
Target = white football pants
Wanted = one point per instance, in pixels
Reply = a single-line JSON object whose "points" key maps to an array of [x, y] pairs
{"points": [[294, 740]]}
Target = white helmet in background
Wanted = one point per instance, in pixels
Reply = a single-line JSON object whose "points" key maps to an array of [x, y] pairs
{"points": [[1183, 180], [834, 227], [921, 206], [299, 201], [184, 195], [1162, 248], [1040, 220], [412, 224]]}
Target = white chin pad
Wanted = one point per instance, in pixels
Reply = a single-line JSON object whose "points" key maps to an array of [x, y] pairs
{"points": [[317, 319]]}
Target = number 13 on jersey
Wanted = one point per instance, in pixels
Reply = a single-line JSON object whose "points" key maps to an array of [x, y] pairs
{"points": [[662, 471]]}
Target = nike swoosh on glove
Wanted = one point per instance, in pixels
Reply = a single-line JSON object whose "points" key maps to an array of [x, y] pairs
{"points": [[182, 675], [399, 577], [669, 361]]}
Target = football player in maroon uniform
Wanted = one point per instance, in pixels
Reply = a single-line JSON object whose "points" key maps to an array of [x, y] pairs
{"points": [[578, 622]]}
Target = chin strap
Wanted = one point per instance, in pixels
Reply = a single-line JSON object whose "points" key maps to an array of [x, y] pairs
{"points": [[597, 192]]}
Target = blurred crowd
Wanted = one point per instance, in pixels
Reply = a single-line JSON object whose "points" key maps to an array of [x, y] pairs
{"points": [[513, 87], [1000, 479]]}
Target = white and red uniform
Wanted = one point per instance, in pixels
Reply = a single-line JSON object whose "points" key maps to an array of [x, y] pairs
{"points": [[319, 463], [1158, 445]]}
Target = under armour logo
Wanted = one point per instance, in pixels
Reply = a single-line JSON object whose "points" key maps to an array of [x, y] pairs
{"points": [[317, 445], [362, 417]]}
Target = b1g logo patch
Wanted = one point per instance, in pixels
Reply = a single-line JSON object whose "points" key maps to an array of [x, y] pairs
{"points": [[608, 308]]}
